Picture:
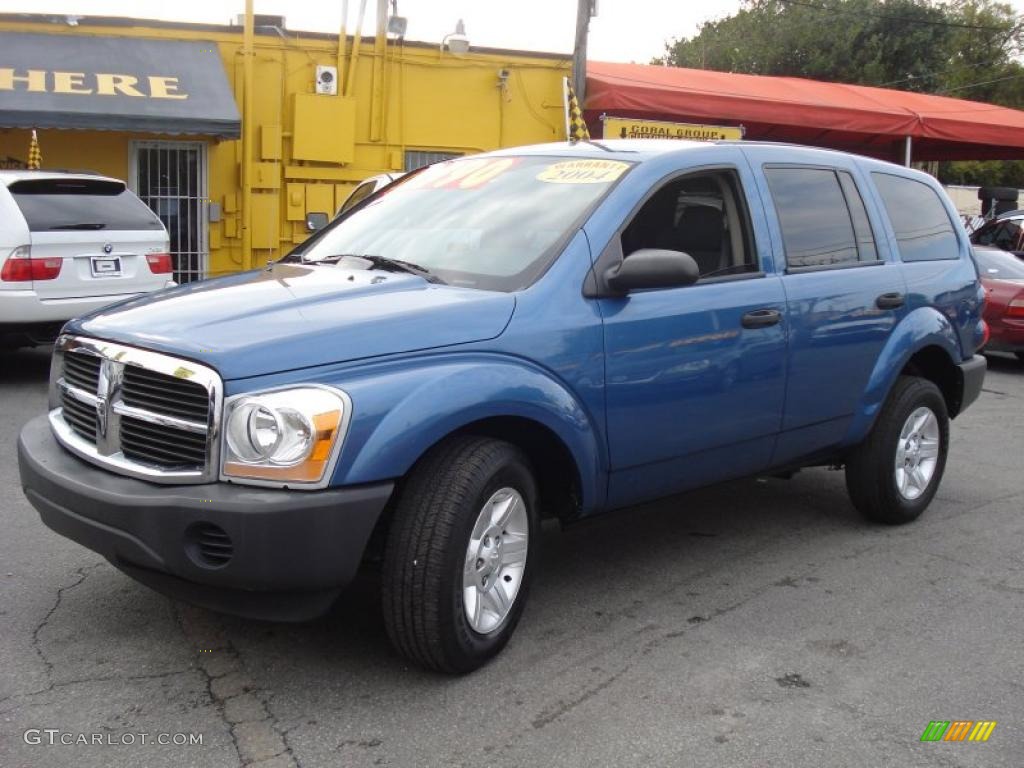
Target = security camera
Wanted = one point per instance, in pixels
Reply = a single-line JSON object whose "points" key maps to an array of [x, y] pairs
{"points": [[327, 80]]}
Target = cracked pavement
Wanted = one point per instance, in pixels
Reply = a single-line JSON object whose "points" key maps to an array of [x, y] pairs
{"points": [[759, 623]]}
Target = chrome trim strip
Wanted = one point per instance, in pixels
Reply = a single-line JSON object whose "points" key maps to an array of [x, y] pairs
{"points": [[108, 424], [159, 418], [81, 395], [110, 408], [117, 461]]}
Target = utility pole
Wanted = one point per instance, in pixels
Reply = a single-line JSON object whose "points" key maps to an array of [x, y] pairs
{"points": [[584, 10], [249, 53], [380, 49]]}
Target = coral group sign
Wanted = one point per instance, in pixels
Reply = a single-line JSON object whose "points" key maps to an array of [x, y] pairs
{"points": [[628, 128]]}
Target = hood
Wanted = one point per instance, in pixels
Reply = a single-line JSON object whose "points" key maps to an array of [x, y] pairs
{"points": [[292, 316]]}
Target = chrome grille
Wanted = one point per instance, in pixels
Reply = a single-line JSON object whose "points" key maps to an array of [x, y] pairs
{"points": [[164, 446], [137, 412], [79, 416], [81, 370], [164, 394]]}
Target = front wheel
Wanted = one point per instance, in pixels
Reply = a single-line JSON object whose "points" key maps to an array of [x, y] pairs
{"points": [[892, 476], [459, 554]]}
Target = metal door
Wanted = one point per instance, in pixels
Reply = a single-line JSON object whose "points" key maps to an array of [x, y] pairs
{"points": [[170, 177]]}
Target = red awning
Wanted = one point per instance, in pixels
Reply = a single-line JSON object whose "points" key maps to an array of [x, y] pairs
{"points": [[856, 118]]}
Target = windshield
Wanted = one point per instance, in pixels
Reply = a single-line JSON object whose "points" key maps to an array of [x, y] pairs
{"points": [[490, 222], [996, 265]]}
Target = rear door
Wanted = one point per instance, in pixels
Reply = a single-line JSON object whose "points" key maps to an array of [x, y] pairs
{"points": [[100, 230], [844, 294], [933, 249]]}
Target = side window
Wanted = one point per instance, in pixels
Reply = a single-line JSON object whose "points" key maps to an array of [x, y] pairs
{"points": [[923, 229], [858, 214], [817, 224], [704, 215]]}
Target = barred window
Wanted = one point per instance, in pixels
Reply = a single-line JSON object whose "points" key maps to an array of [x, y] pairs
{"points": [[415, 158]]}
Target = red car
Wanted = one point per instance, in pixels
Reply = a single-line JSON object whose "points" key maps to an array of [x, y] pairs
{"points": [[1002, 275]]}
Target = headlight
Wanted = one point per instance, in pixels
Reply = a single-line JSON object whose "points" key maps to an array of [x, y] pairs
{"points": [[284, 436]]}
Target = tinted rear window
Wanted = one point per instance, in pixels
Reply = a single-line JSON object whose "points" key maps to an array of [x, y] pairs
{"points": [[859, 216], [81, 204], [923, 229], [817, 229]]}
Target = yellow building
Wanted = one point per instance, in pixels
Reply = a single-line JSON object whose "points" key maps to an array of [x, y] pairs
{"points": [[159, 105]]}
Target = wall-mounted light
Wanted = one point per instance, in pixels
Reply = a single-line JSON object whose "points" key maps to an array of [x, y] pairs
{"points": [[457, 41]]}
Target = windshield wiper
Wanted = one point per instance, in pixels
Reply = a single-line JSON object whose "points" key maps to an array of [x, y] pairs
{"points": [[385, 263], [82, 225]]}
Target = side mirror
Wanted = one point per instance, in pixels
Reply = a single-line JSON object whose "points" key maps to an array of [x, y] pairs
{"points": [[316, 221], [652, 268]]}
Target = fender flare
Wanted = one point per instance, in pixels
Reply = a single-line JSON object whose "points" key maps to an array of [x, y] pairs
{"points": [[394, 423], [921, 328]]}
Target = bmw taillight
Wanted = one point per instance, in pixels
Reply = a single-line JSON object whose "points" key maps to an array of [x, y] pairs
{"points": [[22, 267], [160, 263]]}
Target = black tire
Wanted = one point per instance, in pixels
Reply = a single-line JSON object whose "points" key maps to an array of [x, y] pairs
{"points": [[435, 511], [870, 469], [1020, 356]]}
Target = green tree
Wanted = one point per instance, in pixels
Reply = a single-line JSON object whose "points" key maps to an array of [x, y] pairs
{"points": [[849, 41], [963, 48]]}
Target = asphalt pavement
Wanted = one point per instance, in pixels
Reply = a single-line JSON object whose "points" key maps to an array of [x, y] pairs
{"points": [[758, 623]]}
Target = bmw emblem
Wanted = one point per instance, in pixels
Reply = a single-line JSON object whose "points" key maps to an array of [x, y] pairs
{"points": [[108, 248]]}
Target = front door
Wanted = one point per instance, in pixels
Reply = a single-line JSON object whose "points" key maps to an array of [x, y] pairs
{"points": [[695, 376], [170, 177]]}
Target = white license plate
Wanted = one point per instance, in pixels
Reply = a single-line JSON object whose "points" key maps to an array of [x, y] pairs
{"points": [[106, 266]]}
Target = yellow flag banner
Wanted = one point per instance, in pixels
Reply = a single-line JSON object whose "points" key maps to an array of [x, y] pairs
{"points": [[575, 127], [35, 154], [628, 128]]}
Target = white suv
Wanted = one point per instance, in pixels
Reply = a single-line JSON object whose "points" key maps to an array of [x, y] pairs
{"points": [[71, 243], [367, 188]]}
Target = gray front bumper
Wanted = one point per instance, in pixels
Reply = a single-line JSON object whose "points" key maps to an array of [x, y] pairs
{"points": [[293, 551]]}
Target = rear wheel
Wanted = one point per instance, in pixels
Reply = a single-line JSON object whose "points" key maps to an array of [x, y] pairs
{"points": [[892, 476], [459, 554]]}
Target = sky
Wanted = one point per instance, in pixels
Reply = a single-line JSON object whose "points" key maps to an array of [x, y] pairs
{"points": [[624, 30]]}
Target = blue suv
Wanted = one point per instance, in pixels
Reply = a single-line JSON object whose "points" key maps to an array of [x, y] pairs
{"points": [[549, 331]]}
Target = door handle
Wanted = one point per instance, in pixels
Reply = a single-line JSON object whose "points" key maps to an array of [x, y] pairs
{"points": [[761, 318], [890, 301]]}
